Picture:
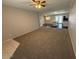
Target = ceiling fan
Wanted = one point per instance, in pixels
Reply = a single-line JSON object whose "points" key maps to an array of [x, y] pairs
{"points": [[39, 3]]}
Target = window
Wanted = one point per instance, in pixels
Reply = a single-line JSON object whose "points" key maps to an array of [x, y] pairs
{"points": [[59, 21]]}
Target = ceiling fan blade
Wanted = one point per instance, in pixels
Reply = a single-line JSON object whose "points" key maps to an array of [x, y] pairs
{"points": [[33, 0], [43, 2], [36, 1], [43, 5]]}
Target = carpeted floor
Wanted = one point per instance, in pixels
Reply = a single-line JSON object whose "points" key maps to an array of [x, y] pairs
{"points": [[45, 43]]}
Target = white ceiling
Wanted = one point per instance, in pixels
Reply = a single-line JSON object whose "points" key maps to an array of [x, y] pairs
{"points": [[52, 5]]}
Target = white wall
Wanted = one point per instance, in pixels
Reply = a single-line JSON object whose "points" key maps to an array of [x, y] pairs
{"points": [[41, 20], [17, 22], [72, 26]]}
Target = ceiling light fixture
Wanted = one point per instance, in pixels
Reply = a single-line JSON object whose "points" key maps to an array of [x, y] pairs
{"points": [[39, 4], [47, 17]]}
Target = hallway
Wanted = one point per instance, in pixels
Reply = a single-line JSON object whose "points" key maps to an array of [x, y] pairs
{"points": [[44, 43]]}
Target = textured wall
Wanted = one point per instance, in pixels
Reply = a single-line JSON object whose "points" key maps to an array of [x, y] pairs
{"points": [[72, 26], [17, 22]]}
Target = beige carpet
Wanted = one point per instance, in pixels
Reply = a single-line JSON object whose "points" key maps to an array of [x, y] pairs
{"points": [[45, 43]]}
